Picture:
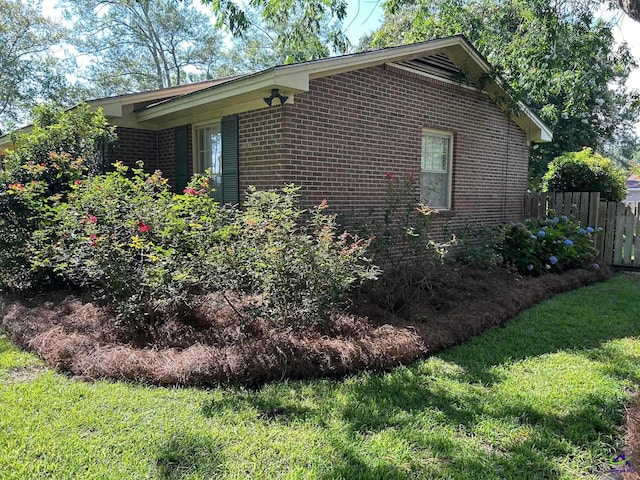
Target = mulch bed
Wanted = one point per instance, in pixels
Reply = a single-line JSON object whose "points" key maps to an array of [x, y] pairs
{"points": [[632, 440], [75, 335]]}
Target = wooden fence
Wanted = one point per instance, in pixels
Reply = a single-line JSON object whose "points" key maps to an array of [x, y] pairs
{"points": [[618, 240]]}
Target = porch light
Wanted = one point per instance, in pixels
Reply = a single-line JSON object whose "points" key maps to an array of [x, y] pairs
{"points": [[275, 93]]}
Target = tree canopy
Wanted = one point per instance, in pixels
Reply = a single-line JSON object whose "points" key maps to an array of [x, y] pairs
{"points": [[303, 29], [30, 73], [144, 44]]}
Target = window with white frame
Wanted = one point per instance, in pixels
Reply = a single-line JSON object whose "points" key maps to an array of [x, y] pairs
{"points": [[435, 177], [208, 141]]}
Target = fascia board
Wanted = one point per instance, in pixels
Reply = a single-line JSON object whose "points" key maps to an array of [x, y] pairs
{"points": [[292, 82], [544, 134]]}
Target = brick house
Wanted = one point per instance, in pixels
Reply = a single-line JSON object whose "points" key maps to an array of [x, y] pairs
{"points": [[337, 126]]}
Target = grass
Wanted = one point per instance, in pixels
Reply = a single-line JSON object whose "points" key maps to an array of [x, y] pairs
{"points": [[542, 397]]}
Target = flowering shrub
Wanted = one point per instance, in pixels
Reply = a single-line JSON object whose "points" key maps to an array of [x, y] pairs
{"points": [[295, 259], [135, 243], [60, 150], [150, 253], [552, 245]]}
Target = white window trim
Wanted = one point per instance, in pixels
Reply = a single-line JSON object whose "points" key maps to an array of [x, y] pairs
{"points": [[449, 136]]}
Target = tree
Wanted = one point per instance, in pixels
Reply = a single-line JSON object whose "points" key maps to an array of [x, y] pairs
{"points": [[300, 29], [586, 171], [144, 44], [557, 55], [29, 73], [630, 7]]}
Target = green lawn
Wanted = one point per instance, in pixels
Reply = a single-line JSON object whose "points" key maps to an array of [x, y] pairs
{"points": [[542, 398]]}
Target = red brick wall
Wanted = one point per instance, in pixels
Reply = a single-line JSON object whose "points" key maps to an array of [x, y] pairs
{"points": [[155, 149], [166, 158], [134, 145], [261, 150], [349, 130]]}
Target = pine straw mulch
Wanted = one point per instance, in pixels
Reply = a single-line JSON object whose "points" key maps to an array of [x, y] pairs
{"points": [[75, 335], [632, 441]]}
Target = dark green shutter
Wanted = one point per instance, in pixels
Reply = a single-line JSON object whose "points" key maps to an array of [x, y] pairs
{"points": [[230, 187], [182, 157]]}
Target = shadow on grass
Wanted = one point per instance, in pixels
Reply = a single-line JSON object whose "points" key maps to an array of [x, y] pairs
{"points": [[187, 456], [440, 408], [580, 320]]}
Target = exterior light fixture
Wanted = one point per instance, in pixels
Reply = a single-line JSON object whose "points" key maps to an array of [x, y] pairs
{"points": [[275, 93]]}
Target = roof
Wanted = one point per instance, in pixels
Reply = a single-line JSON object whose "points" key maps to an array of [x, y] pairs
{"points": [[448, 59]]}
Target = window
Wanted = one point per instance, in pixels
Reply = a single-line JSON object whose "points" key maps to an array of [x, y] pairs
{"points": [[208, 140], [435, 177], [215, 148]]}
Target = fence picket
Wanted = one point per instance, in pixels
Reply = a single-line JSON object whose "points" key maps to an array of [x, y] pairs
{"points": [[636, 242], [601, 222], [629, 226], [619, 235], [594, 210]]}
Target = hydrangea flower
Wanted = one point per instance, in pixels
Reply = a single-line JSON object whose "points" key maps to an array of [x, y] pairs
{"points": [[533, 237], [595, 266], [582, 231], [530, 267], [541, 233], [568, 242], [553, 259], [556, 219], [565, 218], [590, 229]]}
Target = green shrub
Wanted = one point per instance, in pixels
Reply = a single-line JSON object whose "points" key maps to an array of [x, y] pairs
{"points": [[61, 149], [552, 245], [134, 243], [477, 244], [585, 171], [295, 259], [152, 254]]}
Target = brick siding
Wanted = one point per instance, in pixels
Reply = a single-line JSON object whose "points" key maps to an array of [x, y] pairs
{"points": [[339, 140], [261, 150], [155, 149], [136, 145]]}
